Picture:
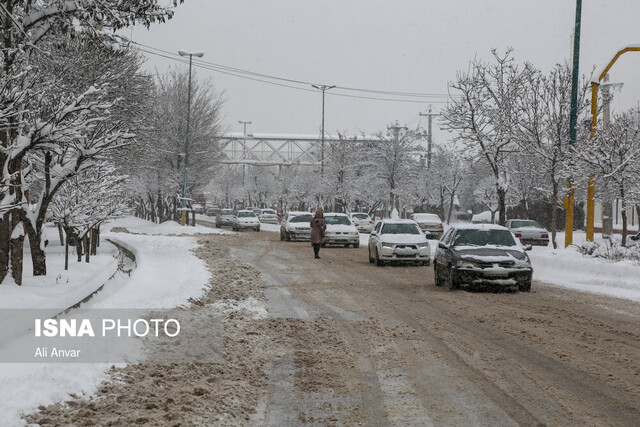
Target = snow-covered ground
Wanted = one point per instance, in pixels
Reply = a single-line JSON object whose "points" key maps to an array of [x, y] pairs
{"points": [[167, 274]]}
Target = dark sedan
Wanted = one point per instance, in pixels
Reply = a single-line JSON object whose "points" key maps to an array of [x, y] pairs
{"points": [[482, 255]]}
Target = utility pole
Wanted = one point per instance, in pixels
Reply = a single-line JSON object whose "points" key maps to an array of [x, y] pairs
{"points": [[569, 199], [244, 153], [429, 116], [186, 144], [323, 88]]}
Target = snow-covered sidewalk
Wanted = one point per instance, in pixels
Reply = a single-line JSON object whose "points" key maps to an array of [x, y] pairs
{"points": [[167, 274]]}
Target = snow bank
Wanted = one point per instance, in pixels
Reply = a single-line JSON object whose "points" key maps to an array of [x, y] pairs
{"points": [[167, 275], [137, 225]]}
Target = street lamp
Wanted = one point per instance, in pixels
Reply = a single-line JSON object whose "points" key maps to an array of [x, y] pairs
{"points": [[323, 88], [244, 153], [186, 145]]}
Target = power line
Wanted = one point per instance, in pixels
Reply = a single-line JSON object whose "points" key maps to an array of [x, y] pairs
{"points": [[259, 77]]}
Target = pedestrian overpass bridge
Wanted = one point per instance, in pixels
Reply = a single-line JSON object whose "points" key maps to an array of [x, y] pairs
{"points": [[262, 149]]}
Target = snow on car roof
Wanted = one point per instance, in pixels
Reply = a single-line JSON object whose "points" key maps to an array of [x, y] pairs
{"points": [[397, 221], [299, 213], [335, 214], [471, 226]]}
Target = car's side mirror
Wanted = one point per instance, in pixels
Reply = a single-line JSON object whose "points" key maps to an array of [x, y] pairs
{"points": [[527, 247], [443, 245], [374, 233]]}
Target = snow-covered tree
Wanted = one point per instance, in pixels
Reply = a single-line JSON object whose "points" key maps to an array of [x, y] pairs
{"points": [[158, 161], [86, 201], [613, 155], [26, 26], [392, 163], [544, 131], [484, 115]]}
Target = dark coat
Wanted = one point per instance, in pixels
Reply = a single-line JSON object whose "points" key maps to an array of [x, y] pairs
{"points": [[317, 228]]}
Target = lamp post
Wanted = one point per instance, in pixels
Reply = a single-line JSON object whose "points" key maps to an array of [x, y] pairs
{"points": [[323, 88], [186, 144], [244, 153]]}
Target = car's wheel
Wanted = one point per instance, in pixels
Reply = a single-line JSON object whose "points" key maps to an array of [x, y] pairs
{"points": [[258, 228], [346, 245], [525, 287], [451, 285], [371, 260], [379, 262], [281, 237], [356, 245], [436, 274]]}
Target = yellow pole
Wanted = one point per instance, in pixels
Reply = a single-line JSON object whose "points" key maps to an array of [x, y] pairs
{"points": [[568, 206], [594, 121], [591, 185]]}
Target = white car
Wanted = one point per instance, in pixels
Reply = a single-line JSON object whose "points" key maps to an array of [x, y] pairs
{"points": [[429, 223], [268, 216], [296, 226], [340, 230], [246, 219], [362, 221], [398, 240], [528, 231]]}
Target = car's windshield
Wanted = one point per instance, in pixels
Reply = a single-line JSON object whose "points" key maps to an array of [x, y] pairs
{"points": [[483, 238], [400, 229], [527, 223], [246, 214], [360, 216], [269, 212], [301, 218], [426, 217], [337, 219], [226, 212]]}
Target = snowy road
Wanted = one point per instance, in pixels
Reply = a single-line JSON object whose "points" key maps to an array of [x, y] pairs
{"points": [[339, 341]]}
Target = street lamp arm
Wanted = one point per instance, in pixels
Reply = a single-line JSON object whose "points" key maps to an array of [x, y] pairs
{"points": [[197, 54]]}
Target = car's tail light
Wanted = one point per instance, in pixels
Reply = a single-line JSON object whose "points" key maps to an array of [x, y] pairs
{"points": [[518, 235], [545, 235], [370, 221], [441, 226]]}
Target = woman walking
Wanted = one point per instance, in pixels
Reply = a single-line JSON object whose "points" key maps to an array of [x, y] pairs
{"points": [[317, 232]]}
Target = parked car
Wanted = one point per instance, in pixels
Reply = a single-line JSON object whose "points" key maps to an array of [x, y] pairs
{"points": [[225, 217], [362, 221], [245, 219], [197, 208], [296, 226], [398, 240], [482, 255], [528, 231], [268, 216], [429, 223], [340, 230], [213, 211]]}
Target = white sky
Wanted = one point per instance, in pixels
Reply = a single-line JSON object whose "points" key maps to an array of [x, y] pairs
{"points": [[401, 45]]}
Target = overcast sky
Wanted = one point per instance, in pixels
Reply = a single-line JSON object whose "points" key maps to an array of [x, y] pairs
{"points": [[400, 45]]}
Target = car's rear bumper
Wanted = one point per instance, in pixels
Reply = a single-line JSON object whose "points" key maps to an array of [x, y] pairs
{"points": [[341, 239], [269, 220], [503, 277], [542, 241], [246, 225], [392, 254], [299, 235]]}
